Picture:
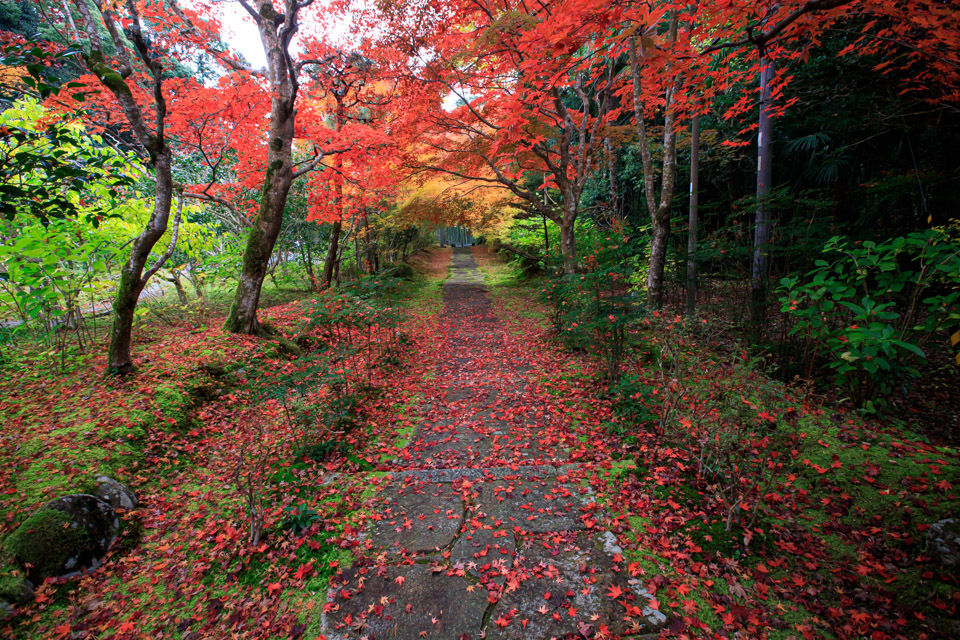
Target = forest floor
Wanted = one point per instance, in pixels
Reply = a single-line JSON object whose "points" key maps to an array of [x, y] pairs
{"points": [[475, 479]]}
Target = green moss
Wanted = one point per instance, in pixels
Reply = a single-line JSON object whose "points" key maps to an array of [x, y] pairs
{"points": [[124, 433], [54, 473], [12, 583], [423, 296], [836, 547], [46, 469], [791, 616], [46, 540], [171, 401]]}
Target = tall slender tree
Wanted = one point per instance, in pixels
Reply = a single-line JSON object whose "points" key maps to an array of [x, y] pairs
{"points": [[693, 220], [772, 19], [659, 210]]}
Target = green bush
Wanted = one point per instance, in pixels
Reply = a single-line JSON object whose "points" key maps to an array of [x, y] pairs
{"points": [[299, 518], [593, 310], [634, 404], [402, 271], [866, 309], [375, 287]]}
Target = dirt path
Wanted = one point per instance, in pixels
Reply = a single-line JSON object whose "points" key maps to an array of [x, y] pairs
{"points": [[485, 529]]}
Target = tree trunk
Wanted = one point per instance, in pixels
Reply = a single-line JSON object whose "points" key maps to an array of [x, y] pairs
{"points": [[262, 238], [333, 250], [132, 281], [568, 246], [546, 238], [368, 243], [178, 286], [308, 264], [761, 237], [694, 214], [151, 137], [197, 281], [658, 261], [337, 262], [277, 180], [331, 260], [612, 178], [659, 212]]}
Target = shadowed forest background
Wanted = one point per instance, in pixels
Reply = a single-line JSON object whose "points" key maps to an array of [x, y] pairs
{"points": [[719, 240]]}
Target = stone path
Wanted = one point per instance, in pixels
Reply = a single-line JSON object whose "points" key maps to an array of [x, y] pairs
{"points": [[485, 529]]}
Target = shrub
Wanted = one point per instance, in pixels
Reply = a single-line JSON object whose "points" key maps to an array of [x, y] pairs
{"points": [[593, 310], [865, 312], [724, 431], [402, 271], [634, 405], [299, 518]]}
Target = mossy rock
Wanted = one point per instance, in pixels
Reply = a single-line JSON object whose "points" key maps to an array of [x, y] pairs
{"points": [[14, 586], [284, 347], [117, 495], [403, 271], [66, 536]]}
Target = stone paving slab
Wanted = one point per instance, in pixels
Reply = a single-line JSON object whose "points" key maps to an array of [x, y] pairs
{"points": [[484, 545], [488, 555], [466, 447], [562, 589], [417, 517], [484, 473], [405, 602], [533, 505]]}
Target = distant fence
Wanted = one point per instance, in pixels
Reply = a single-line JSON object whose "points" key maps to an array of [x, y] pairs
{"points": [[455, 236]]}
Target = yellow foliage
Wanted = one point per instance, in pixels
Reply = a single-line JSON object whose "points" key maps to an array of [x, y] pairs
{"points": [[12, 77], [451, 201]]}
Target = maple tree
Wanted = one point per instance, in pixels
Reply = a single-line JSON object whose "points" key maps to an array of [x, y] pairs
{"points": [[356, 97], [514, 117], [120, 78], [277, 30]]}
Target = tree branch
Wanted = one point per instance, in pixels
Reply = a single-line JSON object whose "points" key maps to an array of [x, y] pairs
{"points": [[126, 68], [209, 197], [249, 9], [517, 252], [761, 41], [170, 247], [88, 25]]}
